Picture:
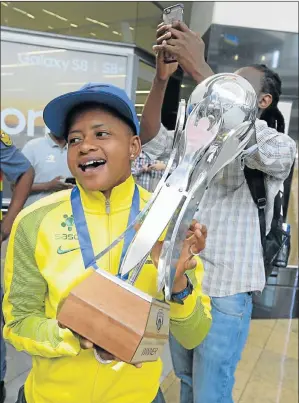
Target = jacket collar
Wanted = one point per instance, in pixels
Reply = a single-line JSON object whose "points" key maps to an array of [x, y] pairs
{"points": [[120, 198], [53, 143]]}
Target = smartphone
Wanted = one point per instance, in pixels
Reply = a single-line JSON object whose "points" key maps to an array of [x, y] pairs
{"points": [[171, 14], [71, 181]]}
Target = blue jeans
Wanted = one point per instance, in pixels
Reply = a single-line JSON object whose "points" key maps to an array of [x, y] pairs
{"points": [[207, 372], [2, 345], [159, 398]]}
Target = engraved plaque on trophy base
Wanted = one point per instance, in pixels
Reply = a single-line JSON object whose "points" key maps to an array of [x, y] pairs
{"points": [[116, 316]]}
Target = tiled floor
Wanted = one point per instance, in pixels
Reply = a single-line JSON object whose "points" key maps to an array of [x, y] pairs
{"points": [[268, 371]]}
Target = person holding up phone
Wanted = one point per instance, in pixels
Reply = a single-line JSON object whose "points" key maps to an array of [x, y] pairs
{"points": [[233, 257], [48, 156]]}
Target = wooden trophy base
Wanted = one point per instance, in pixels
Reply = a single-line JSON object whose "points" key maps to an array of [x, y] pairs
{"points": [[116, 316]]}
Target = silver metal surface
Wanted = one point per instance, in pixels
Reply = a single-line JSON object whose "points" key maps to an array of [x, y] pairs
{"points": [[238, 110], [178, 142], [199, 134], [221, 115]]}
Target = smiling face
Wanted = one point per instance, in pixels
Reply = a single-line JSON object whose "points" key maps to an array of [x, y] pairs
{"points": [[101, 147]]}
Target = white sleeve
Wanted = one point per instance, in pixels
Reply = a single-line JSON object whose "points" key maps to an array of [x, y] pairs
{"points": [[273, 153], [28, 151], [160, 147]]}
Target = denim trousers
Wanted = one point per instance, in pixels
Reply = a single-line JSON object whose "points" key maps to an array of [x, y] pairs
{"points": [[2, 344], [207, 372], [159, 398]]}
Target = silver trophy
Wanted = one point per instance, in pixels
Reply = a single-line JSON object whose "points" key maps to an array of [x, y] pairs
{"points": [[221, 112], [221, 115]]}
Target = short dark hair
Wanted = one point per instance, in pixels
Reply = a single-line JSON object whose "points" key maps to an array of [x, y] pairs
{"points": [[271, 84], [86, 106]]}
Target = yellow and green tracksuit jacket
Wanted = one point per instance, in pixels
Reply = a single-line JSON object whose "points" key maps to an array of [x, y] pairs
{"points": [[43, 259]]}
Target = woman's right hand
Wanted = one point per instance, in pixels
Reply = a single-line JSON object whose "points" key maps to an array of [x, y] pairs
{"points": [[104, 355]]}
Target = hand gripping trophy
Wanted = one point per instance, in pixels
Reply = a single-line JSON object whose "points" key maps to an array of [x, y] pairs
{"points": [[114, 314]]}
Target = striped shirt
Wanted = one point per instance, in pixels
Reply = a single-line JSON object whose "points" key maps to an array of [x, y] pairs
{"points": [[233, 256], [148, 180]]}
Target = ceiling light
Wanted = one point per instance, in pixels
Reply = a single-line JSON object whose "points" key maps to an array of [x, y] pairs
{"points": [[142, 92], [15, 65], [15, 90], [97, 22], [49, 26], [38, 52], [79, 84], [7, 74], [275, 59], [183, 86], [115, 75], [139, 114], [236, 57], [55, 15], [132, 29], [4, 4], [139, 105], [23, 12], [74, 25], [92, 34], [116, 33], [263, 58]]}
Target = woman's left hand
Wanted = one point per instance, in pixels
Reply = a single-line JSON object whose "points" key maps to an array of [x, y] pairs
{"points": [[158, 166], [194, 243]]}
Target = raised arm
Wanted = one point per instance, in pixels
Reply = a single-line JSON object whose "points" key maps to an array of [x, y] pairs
{"points": [[188, 48]]}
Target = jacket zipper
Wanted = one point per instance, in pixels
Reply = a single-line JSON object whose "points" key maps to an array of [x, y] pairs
{"points": [[107, 208]]}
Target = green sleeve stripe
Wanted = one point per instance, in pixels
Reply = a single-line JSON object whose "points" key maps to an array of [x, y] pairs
{"points": [[28, 287], [191, 331]]}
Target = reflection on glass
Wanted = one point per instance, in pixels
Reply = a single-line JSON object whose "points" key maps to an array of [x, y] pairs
{"points": [[33, 75], [146, 75], [117, 21]]}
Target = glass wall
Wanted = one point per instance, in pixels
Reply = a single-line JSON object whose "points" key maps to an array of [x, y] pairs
{"points": [[38, 68], [118, 21], [230, 48]]}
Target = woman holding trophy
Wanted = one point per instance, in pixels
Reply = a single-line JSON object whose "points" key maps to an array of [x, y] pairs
{"points": [[49, 250]]}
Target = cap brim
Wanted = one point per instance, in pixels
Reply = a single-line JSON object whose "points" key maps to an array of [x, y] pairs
{"points": [[56, 111]]}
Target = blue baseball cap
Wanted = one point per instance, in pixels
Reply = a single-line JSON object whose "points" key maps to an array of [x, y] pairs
{"points": [[55, 113]]}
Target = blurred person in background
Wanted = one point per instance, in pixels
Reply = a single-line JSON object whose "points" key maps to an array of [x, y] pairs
{"points": [[48, 156], [146, 172], [233, 257], [17, 170]]}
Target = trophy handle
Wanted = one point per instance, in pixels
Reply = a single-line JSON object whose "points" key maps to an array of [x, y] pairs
{"points": [[232, 146], [200, 133], [179, 142], [220, 154], [176, 234]]}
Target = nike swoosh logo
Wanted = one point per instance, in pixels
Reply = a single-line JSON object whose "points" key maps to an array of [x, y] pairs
{"points": [[63, 251]]}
